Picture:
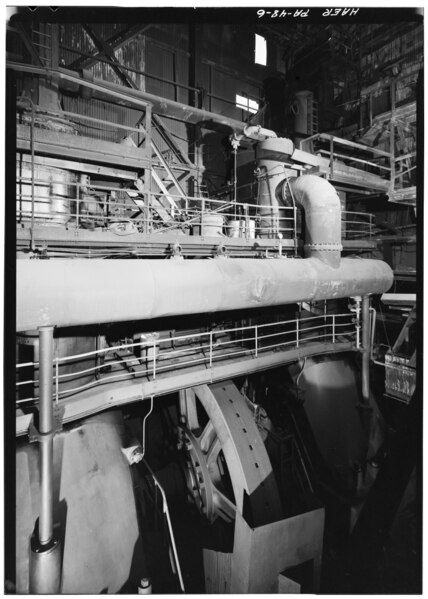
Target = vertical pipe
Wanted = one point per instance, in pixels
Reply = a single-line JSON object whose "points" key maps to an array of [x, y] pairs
{"points": [[357, 321], [392, 135], [32, 175], [148, 170], [45, 555], [45, 427], [235, 182], [365, 377]]}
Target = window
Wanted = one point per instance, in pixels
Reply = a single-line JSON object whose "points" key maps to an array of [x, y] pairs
{"points": [[260, 50], [246, 104]]}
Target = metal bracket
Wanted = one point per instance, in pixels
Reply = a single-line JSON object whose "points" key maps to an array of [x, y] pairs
{"points": [[176, 251], [34, 435], [221, 251]]}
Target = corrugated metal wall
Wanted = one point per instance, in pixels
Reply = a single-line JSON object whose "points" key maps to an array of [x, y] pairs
{"points": [[144, 54]]}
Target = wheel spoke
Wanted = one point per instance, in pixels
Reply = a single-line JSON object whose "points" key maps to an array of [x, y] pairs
{"points": [[212, 453], [207, 437], [188, 408], [223, 506]]}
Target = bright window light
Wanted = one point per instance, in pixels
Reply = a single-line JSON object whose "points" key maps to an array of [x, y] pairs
{"points": [[246, 104], [260, 50]]}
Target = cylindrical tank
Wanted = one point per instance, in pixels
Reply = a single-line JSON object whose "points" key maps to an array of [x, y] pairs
{"points": [[211, 225], [302, 110], [54, 192]]}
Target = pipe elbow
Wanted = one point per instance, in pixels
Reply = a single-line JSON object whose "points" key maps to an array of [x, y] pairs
{"points": [[258, 133], [323, 234]]}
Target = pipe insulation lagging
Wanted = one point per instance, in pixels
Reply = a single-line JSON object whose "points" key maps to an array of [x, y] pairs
{"points": [[319, 199], [65, 292]]}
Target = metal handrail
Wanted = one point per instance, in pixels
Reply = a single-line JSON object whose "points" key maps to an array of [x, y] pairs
{"points": [[211, 346], [384, 172], [345, 142]]}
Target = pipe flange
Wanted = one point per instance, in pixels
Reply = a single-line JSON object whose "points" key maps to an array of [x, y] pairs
{"points": [[221, 251], [35, 435], [330, 247]]}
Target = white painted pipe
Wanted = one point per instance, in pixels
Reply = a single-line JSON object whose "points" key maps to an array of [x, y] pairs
{"points": [[66, 292], [323, 233]]}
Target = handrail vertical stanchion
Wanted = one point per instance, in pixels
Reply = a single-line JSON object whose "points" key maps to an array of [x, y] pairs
{"points": [[256, 339], [297, 332], [56, 380], [334, 328], [357, 321], [77, 204], [211, 349], [154, 359], [202, 215]]}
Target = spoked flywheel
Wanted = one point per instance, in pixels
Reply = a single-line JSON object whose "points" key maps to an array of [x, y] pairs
{"points": [[227, 465]]}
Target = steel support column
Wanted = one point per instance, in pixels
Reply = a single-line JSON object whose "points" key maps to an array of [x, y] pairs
{"points": [[45, 557], [45, 428]]}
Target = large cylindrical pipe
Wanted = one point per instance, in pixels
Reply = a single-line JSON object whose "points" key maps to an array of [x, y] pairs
{"points": [[323, 233], [77, 292]]}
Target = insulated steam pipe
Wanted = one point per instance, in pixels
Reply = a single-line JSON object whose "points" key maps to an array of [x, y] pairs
{"points": [[134, 97], [322, 209], [77, 292]]}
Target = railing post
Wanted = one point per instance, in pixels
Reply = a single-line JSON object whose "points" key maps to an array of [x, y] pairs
{"points": [[77, 204], [331, 157], [334, 328], [154, 359], [202, 215], [357, 321], [256, 340], [211, 349], [295, 227], [297, 332], [56, 379]]}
